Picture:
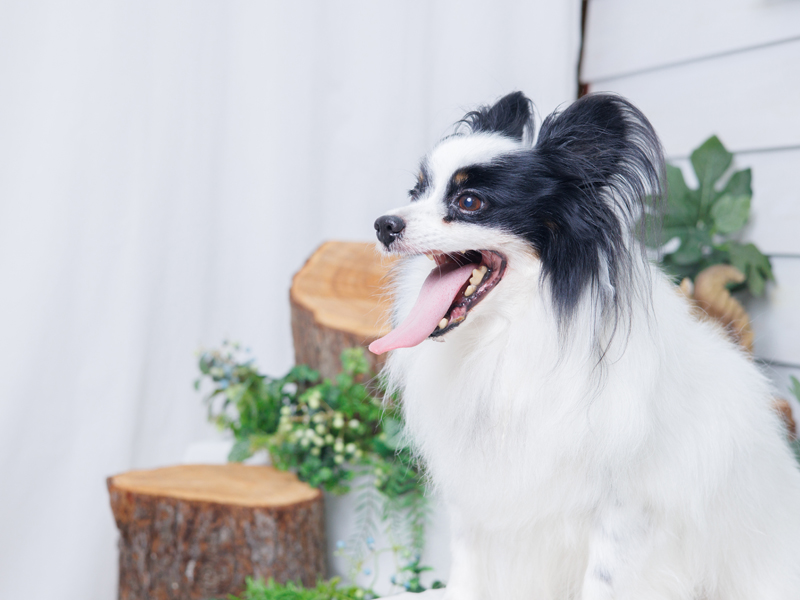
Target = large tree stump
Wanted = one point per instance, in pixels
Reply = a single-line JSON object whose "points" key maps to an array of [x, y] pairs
{"points": [[339, 300], [196, 531]]}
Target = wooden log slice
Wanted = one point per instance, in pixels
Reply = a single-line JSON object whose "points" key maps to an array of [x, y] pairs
{"points": [[196, 531], [339, 300]]}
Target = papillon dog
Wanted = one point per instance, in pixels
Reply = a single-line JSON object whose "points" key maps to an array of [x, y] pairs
{"points": [[591, 437]]}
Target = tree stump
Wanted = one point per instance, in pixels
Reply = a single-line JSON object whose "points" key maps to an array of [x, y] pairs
{"points": [[196, 531], [339, 300]]}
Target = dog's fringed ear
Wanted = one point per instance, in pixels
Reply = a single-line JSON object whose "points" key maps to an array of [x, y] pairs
{"points": [[604, 166], [609, 142], [509, 116]]}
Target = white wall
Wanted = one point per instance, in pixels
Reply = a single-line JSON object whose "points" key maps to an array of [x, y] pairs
{"points": [[725, 67], [164, 169]]}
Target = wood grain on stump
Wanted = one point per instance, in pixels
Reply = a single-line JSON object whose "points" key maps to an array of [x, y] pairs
{"points": [[196, 531], [339, 300]]}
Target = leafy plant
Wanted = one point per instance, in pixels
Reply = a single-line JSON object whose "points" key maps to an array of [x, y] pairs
{"points": [[795, 390], [258, 589], [412, 582], [706, 220], [332, 433]]}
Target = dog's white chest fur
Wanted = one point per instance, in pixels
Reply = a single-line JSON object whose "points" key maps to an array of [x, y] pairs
{"points": [[655, 475]]}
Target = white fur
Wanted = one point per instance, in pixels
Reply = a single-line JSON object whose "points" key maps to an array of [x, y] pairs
{"points": [[662, 474]]}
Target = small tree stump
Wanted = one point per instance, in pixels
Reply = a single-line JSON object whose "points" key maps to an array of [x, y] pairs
{"points": [[339, 300], [196, 531]]}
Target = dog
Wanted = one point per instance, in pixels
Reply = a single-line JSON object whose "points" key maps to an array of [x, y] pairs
{"points": [[591, 437]]}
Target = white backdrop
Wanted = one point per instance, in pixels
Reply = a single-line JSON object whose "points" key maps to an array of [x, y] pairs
{"points": [[165, 166]]}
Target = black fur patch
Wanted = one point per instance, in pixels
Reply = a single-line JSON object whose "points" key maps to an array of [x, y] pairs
{"points": [[509, 116], [575, 197]]}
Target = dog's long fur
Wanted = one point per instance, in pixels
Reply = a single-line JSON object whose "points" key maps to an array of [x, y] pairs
{"points": [[591, 438]]}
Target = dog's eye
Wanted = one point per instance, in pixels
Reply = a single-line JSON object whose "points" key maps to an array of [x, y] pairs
{"points": [[469, 203]]}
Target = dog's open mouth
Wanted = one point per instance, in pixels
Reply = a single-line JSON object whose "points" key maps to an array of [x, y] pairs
{"points": [[458, 282]]}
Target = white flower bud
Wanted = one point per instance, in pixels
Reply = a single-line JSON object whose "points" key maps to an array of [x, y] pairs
{"points": [[314, 399]]}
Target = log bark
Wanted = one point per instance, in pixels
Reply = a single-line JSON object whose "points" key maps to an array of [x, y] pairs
{"points": [[196, 531], [339, 300]]}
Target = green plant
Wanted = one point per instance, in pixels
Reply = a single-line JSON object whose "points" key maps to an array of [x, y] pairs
{"points": [[258, 589], [332, 433], [706, 220], [326, 431], [412, 583], [795, 390]]}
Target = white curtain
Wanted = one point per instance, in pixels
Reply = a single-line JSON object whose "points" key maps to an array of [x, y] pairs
{"points": [[165, 167]]}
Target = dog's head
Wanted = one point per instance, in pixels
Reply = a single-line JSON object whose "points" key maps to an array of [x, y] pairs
{"points": [[488, 201]]}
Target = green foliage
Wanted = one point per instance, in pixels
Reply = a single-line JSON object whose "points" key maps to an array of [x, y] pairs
{"points": [[332, 434], [795, 389], [258, 589], [326, 431], [247, 406], [412, 583], [706, 220]]}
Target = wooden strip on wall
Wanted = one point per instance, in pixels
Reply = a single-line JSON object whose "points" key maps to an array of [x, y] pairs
{"points": [[750, 100], [626, 36]]}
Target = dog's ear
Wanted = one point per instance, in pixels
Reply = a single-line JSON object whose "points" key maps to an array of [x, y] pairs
{"points": [[603, 165], [509, 116], [601, 135]]}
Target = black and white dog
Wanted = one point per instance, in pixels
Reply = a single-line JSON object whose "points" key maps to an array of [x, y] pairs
{"points": [[592, 438]]}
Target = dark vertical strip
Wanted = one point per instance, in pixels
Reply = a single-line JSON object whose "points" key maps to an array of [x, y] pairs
{"points": [[583, 87]]}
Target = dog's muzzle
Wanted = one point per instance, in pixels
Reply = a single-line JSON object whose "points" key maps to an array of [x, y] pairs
{"points": [[388, 228]]}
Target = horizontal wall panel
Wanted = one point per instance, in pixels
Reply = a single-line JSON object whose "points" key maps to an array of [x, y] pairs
{"points": [[776, 316], [626, 36], [775, 210], [751, 100]]}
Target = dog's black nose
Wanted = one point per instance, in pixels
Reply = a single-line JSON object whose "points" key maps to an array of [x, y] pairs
{"points": [[388, 228]]}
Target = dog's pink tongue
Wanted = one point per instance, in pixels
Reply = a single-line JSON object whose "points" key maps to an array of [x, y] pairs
{"points": [[436, 296]]}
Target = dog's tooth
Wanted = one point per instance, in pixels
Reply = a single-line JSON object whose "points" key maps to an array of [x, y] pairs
{"points": [[476, 277], [443, 323], [483, 269], [470, 290], [430, 257]]}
